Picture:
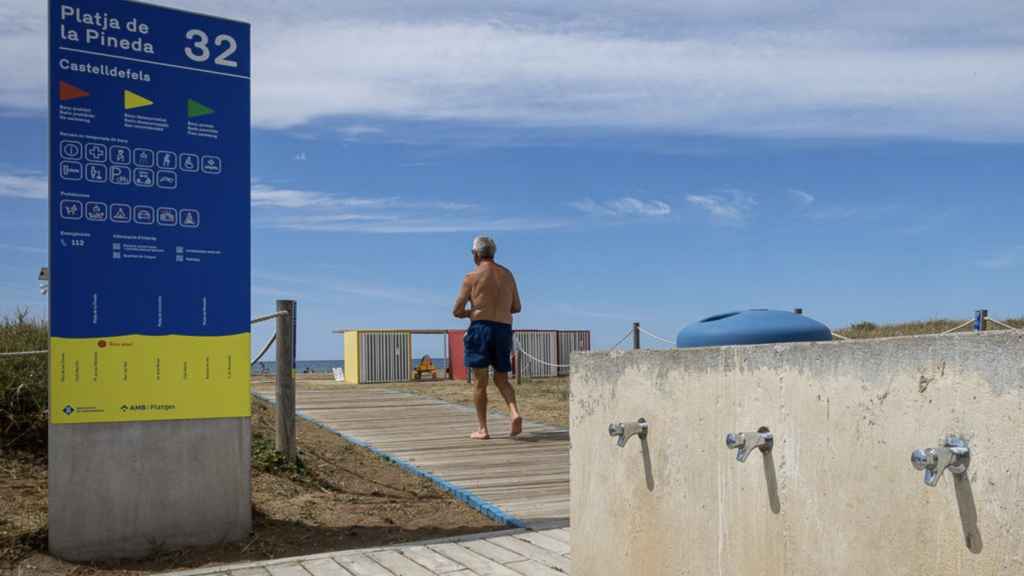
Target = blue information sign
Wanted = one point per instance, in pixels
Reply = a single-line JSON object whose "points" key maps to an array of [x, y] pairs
{"points": [[149, 213]]}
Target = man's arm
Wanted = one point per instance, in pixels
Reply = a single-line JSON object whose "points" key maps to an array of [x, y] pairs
{"points": [[517, 306], [460, 310]]}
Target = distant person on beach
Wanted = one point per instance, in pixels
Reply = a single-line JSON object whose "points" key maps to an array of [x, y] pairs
{"points": [[492, 298]]}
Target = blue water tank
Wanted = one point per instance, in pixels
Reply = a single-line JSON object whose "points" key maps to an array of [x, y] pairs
{"points": [[752, 327]]}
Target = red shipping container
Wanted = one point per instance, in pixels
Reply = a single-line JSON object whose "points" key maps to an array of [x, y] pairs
{"points": [[457, 354]]}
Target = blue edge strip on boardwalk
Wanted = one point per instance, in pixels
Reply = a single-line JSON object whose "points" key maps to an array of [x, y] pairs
{"points": [[486, 508]]}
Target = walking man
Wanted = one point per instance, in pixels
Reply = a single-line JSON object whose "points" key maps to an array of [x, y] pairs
{"points": [[492, 298]]}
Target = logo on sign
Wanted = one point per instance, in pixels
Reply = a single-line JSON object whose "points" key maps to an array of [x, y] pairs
{"points": [[143, 215], [120, 175], [144, 177], [189, 162], [71, 170], [120, 213], [96, 173], [70, 150], [143, 157], [71, 209], [96, 211], [211, 164], [95, 152], [166, 217], [166, 179], [189, 218], [120, 155]]}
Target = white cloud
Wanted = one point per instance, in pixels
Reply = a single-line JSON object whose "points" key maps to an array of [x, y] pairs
{"points": [[412, 224], [276, 285], [265, 195], [797, 84], [301, 157], [791, 68], [734, 209], [313, 211], [355, 131], [625, 206], [801, 197], [31, 186]]}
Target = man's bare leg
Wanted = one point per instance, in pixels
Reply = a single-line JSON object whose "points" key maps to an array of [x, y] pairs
{"points": [[480, 382], [509, 394]]}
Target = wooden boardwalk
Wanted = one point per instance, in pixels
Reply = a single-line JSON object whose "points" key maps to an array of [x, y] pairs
{"points": [[519, 553], [523, 482]]}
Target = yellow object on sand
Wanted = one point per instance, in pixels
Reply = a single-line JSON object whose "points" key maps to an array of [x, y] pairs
{"points": [[426, 366]]}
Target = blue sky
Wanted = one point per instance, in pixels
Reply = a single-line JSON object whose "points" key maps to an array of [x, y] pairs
{"points": [[656, 162]]}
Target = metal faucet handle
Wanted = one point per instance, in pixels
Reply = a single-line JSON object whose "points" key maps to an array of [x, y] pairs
{"points": [[745, 442], [954, 454], [626, 430]]}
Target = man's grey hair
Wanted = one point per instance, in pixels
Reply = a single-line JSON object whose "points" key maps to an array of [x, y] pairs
{"points": [[484, 246]]}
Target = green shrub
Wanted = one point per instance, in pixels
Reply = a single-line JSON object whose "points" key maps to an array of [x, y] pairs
{"points": [[23, 385], [266, 459]]}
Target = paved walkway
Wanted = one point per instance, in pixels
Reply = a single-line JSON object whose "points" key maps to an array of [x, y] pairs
{"points": [[517, 553], [523, 482]]}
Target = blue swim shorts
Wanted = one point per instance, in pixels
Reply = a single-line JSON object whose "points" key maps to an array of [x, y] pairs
{"points": [[489, 344]]}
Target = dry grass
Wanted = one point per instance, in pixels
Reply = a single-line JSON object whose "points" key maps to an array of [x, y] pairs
{"points": [[23, 386], [935, 326], [542, 400]]}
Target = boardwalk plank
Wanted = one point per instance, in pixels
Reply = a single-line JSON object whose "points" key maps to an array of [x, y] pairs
{"points": [[325, 567], [431, 560], [492, 551], [532, 568], [533, 552], [287, 570], [478, 564], [527, 478], [361, 565], [399, 565]]}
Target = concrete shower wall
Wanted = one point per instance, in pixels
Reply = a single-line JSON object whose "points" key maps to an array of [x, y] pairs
{"points": [[837, 495]]}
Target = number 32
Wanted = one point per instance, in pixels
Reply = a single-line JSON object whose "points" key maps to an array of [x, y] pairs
{"points": [[199, 51]]}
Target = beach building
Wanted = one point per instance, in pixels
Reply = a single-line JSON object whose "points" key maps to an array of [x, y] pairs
{"points": [[376, 356]]}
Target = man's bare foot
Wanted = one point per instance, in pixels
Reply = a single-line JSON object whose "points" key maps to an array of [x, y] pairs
{"points": [[480, 435], [517, 426]]}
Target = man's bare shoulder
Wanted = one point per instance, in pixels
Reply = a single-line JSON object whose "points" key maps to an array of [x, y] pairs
{"points": [[504, 269]]}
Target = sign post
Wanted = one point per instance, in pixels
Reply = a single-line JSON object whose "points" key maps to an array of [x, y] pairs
{"points": [[149, 278]]}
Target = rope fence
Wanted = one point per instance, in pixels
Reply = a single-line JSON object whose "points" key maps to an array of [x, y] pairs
{"points": [[538, 360], [656, 337], [25, 353], [621, 340], [1003, 324], [273, 337], [259, 319], [270, 342], [958, 327]]}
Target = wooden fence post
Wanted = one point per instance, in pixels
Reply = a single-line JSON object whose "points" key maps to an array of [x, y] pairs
{"points": [[285, 390]]}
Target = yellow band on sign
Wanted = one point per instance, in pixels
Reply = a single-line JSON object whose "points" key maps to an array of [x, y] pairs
{"points": [[135, 377]]}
